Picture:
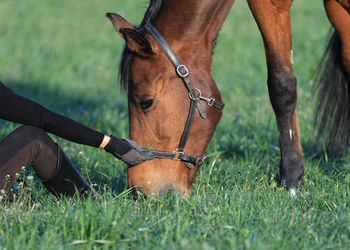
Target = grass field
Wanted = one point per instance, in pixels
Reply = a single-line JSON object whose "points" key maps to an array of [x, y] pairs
{"points": [[64, 55]]}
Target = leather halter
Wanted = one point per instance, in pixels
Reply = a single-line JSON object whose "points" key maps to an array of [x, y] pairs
{"points": [[195, 96]]}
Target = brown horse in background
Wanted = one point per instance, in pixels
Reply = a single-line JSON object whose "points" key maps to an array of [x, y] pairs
{"points": [[159, 103]]}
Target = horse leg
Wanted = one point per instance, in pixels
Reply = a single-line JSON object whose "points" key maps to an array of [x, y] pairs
{"points": [[340, 19], [273, 19]]}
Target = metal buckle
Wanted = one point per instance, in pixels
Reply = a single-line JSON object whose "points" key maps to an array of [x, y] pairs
{"points": [[182, 71], [211, 102], [177, 153], [200, 161]]}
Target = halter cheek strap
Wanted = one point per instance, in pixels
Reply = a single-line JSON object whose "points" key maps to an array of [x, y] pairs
{"points": [[195, 96], [181, 69]]}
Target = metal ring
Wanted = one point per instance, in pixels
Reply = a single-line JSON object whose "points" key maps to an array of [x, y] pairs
{"points": [[197, 97]]}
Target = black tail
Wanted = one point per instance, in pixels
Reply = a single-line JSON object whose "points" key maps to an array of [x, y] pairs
{"points": [[332, 117]]}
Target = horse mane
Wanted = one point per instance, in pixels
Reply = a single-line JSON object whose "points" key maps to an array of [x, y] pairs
{"points": [[125, 78]]}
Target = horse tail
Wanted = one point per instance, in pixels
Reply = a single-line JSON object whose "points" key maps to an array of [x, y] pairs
{"points": [[332, 116]]}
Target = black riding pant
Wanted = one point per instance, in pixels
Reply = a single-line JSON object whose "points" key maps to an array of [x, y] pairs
{"points": [[28, 145]]}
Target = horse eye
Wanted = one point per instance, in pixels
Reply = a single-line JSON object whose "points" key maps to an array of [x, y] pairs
{"points": [[146, 103]]}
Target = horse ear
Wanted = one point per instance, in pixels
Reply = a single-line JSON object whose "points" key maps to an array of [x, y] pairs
{"points": [[137, 42], [134, 40]]}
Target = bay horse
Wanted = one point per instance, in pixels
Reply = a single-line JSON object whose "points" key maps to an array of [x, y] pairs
{"points": [[165, 68]]}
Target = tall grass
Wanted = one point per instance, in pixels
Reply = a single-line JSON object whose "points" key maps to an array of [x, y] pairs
{"points": [[64, 55]]}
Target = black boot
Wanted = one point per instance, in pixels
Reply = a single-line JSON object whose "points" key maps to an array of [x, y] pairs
{"points": [[66, 180]]}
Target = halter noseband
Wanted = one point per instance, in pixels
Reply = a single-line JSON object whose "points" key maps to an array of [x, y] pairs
{"points": [[195, 96]]}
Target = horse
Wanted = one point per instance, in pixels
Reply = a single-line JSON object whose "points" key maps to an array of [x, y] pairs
{"points": [[174, 102]]}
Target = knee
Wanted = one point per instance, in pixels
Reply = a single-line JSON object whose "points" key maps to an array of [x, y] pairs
{"points": [[30, 132], [32, 135]]}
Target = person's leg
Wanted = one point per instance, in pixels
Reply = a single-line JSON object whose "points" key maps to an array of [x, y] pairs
{"points": [[66, 180], [29, 145]]}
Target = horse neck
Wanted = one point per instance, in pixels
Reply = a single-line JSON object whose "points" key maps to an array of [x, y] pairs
{"points": [[192, 20]]}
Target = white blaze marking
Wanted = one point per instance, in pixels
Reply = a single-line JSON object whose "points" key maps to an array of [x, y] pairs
{"points": [[291, 57], [291, 134]]}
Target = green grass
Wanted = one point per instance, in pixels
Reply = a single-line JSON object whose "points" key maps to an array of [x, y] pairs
{"points": [[64, 55]]}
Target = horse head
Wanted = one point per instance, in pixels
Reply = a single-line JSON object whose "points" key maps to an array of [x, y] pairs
{"points": [[160, 100]]}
